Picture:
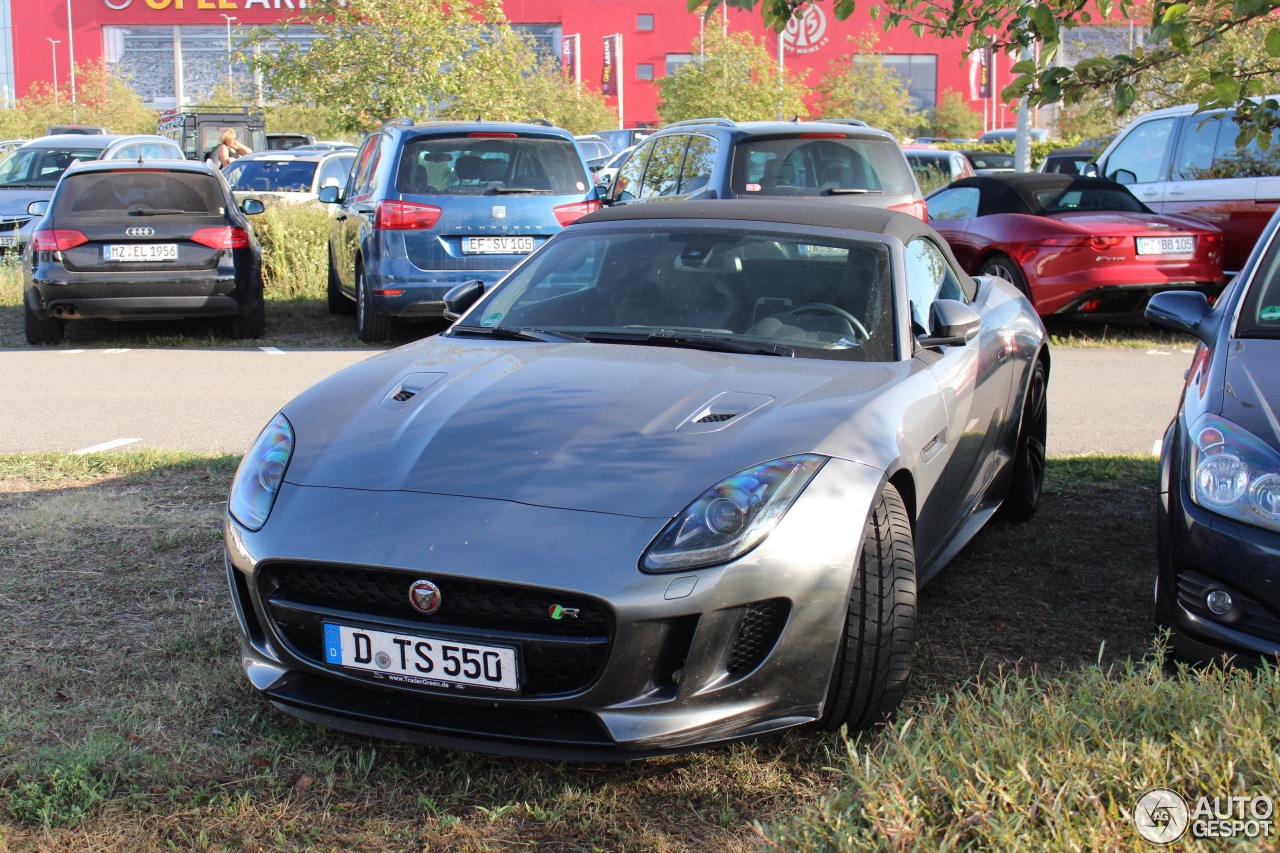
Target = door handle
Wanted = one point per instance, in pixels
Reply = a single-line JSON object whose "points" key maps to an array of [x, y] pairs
{"points": [[1149, 192], [1178, 191], [1002, 353]]}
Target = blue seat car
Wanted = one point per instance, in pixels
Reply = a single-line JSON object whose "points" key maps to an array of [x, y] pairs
{"points": [[432, 205]]}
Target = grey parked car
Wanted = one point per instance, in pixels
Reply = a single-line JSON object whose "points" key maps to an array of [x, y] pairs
{"points": [[673, 481], [30, 173]]}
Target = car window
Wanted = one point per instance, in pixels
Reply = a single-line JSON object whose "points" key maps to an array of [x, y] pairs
{"points": [[479, 164], [1208, 150], [929, 278], [954, 204], [41, 167], [1260, 310], [360, 176], [129, 152], [823, 297], [110, 193], [1094, 198], [627, 184], [662, 175], [294, 176], [699, 161], [805, 166], [333, 172], [1141, 153]]}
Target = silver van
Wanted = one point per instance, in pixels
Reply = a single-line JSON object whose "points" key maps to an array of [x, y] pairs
{"points": [[1179, 161]]}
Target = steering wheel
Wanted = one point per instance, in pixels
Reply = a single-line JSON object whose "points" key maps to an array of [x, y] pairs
{"points": [[827, 308]]}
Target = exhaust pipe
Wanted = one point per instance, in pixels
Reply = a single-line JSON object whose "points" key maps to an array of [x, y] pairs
{"points": [[65, 311]]}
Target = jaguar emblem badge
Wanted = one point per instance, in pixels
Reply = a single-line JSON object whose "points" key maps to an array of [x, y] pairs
{"points": [[424, 596]]}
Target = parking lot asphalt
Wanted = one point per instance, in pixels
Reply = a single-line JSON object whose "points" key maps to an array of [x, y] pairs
{"points": [[1102, 401]]}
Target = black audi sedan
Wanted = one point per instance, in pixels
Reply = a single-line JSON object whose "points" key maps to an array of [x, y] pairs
{"points": [[145, 240], [1218, 517]]}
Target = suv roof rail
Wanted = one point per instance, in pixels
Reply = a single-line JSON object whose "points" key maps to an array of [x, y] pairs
{"points": [[398, 122], [719, 122], [541, 121]]}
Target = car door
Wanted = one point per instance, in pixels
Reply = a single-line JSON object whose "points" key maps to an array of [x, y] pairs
{"points": [[356, 211], [1140, 160], [626, 186], [975, 381]]}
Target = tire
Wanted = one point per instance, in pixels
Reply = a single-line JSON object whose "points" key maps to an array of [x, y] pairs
{"points": [[42, 331], [251, 325], [338, 301], [1027, 481], [1002, 266], [371, 326], [875, 651]]}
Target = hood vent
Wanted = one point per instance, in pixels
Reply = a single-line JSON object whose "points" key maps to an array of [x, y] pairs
{"points": [[721, 411], [408, 388]]}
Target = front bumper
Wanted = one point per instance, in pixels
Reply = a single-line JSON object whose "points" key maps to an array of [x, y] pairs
{"points": [[1201, 551], [684, 659]]}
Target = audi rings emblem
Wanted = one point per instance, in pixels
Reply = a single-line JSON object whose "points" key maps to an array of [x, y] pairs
{"points": [[140, 232], [424, 596]]}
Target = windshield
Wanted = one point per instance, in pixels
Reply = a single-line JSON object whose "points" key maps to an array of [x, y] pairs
{"points": [[806, 296], [290, 176], [1260, 313], [1075, 199], [805, 166], [481, 164], [41, 167]]}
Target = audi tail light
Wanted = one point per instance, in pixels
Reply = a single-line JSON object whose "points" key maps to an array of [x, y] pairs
{"points": [[405, 216], [56, 240], [225, 237], [570, 213]]}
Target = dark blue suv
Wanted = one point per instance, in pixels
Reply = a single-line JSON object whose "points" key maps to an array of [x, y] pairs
{"points": [[435, 204]]}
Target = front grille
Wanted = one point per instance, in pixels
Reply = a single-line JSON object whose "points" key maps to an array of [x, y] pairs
{"points": [[557, 655], [1256, 619], [760, 628]]}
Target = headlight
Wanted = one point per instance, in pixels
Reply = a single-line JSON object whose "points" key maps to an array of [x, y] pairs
{"points": [[1233, 473], [732, 517], [258, 479]]}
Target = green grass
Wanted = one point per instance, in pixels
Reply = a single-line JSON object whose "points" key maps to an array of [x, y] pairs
{"points": [[1030, 722]]}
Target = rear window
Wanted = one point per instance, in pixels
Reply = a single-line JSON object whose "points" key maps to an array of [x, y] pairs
{"points": [[41, 167], [480, 165], [1064, 201], [142, 193], [295, 176], [810, 167]]}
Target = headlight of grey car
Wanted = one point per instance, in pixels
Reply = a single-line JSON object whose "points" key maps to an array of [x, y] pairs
{"points": [[258, 479], [732, 517], [1234, 473]]}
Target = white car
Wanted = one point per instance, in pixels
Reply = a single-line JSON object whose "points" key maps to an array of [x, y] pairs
{"points": [[289, 176]]}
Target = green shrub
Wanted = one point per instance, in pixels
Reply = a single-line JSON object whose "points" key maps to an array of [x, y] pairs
{"points": [[10, 279], [64, 796], [1015, 763], [295, 239]]}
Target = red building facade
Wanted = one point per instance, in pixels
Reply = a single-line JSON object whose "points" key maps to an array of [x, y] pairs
{"points": [[175, 50]]}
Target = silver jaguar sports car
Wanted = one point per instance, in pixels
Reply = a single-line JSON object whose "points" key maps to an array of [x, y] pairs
{"points": [[674, 481]]}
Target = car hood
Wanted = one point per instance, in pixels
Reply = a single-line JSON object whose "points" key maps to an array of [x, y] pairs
{"points": [[1250, 397], [594, 427], [13, 202]]}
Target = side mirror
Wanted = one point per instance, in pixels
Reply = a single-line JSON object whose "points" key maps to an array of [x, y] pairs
{"points": [[602, 183], [1089, 170], [461, 297], [1124, 176], [330, 195], [252, 206], [951, 324], [1181, 311], [38, 208]]}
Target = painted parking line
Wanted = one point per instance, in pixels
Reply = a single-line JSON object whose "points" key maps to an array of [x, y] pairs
{"points": [[272, 350], [106, 445], [72, 351], [1158, 352], [113, 351]]}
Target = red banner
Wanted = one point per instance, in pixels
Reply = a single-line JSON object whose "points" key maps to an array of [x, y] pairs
{"points": [[608, 71]]}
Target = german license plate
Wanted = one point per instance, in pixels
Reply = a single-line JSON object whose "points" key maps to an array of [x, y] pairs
{"points": [[140, 252], [424, 661], [8, 241], [497, 245], [1166, 245]]}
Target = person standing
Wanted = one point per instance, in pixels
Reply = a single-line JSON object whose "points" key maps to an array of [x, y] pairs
{"points": [[229, 148]]}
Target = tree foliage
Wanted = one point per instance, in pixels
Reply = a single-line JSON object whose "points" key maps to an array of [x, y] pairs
{"points": [[1188, 42], [102, 98], [859, 85], [953, 118], [734, 78]]}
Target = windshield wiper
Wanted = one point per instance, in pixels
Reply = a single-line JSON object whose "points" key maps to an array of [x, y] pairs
{"points": [[518, 190], [524, 333], [849, 191], [159, 211], [674, 339]]}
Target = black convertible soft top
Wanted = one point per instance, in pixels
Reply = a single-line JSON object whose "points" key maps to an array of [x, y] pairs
{"points": [[1016, 192]]}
